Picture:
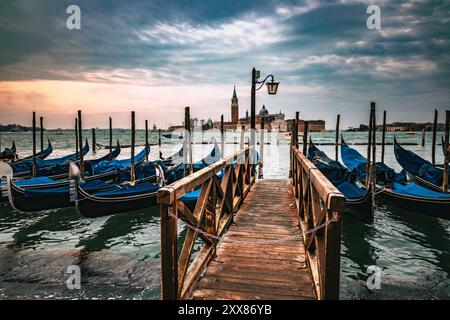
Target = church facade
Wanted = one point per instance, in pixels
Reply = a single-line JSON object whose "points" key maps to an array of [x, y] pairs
{"points": [[272, 122]]}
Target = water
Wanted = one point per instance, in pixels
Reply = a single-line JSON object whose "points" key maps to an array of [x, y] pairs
{"points": [[119, 255]]}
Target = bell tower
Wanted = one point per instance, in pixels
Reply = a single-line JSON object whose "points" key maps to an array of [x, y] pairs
{"points": [[234, 108]]}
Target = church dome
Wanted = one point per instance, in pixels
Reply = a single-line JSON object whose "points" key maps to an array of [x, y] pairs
{"points": [[263, 111]]}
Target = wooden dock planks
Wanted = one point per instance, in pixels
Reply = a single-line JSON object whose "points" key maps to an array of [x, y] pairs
{"points": [[253, 270]]}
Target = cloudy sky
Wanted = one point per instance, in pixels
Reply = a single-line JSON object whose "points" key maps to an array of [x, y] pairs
{"points": [[156, 57]]}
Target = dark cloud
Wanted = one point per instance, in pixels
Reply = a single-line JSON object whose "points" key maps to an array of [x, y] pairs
{"points": [[311, 42]]}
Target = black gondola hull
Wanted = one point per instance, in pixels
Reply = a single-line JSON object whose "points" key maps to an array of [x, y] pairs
{"points": [[361, 208], [26, 204], [438, 208], [22, 202], [93, 207]]}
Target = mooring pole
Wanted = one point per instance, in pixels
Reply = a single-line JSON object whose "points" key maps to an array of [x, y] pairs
{"points": [[187, 147], [241, 143], [191, 167], [305, 138], [80, 138], [110, 138], [133, 141], [374, 147], [33, 171], [446, 155], [146, 139], [423, 137], [297, 121], [41, 124], [253, 109], [94, 143], [433, 142], [261, 150], [336, 143], [76, 137], [369, 144], [222, 137], [383, 136], [159, 138]]}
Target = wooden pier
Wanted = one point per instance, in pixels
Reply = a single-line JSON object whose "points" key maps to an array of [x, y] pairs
{"points": [[248, 264], [265, 239]]}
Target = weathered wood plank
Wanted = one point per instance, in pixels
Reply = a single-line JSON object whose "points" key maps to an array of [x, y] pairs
{"points": [[248, 264]]}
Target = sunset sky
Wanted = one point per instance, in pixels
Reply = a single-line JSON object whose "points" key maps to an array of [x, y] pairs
{"points": [[156, 57]]}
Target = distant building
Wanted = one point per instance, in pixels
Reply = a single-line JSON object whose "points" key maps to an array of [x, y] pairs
{"points": [[411, 126], [313, 125], [272, 122], [234, 107]]}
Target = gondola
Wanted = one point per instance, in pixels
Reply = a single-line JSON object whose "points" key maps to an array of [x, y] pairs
{"points": [[419, 170], [59, 179], [358, 198], [394, 189], [23, 168], [177, 157], [43, 193], [172, 136], [91, 166], [41, 155], [127, 197], [9, 154]]}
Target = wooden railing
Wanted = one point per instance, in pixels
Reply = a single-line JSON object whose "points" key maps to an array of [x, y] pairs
{"points": [[318, 203], [219, 199]]}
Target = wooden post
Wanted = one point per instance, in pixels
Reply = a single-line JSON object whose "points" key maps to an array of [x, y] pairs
{"points": [[191, 167], [447, 131], [169, 253], [333, 256], [41, 124], [423, 137], [305, 138], [433, 143], [133, 141], [253, 109], [291, 152], [241, 144], [261, 150], [94, 143], [80, 143], [33, 170], [383, 136], [374, 147], [76, 138], [146, 138], [446, 155], [110, 138], [369, 145], [159, 139], [297, 121], [187, 149], [222, 137], [336, 147]]}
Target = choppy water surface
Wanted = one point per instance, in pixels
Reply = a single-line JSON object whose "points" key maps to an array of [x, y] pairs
{"points": [[119, 255]]}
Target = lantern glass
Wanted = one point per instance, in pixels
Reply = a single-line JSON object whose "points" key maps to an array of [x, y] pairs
{"points": [[272, 87]]}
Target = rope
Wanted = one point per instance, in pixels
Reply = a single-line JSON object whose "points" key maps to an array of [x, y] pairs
{"points": [[289, 238]]}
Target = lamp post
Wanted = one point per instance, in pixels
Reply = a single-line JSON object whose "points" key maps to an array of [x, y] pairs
{"points": [[272, 88]]}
